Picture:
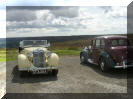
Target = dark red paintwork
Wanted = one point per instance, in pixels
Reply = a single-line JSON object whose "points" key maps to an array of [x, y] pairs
{"points": [[118, 53]]}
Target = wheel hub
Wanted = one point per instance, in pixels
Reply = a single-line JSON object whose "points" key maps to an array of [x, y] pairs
{"points": [[102, 65], [82, 58]]}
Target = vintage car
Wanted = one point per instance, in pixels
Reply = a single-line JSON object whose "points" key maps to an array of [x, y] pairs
{"points": [[112, 51], [35, 58]]}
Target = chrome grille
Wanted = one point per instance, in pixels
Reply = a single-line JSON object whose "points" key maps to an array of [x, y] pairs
{"points": [[38, 58]]}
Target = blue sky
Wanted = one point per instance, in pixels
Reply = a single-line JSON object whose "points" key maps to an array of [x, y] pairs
{"points": [[88, 18]]}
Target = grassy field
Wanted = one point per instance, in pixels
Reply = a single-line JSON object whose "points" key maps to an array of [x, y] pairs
{"points": [[11, 54], [8, 54], [61, 48], [2, 54]]}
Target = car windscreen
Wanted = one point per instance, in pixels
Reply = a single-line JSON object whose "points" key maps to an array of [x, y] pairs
{"points": [[121, 42], [35, 43]]}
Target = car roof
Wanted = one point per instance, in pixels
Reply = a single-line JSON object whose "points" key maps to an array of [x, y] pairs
{"points": [[111, 37]]}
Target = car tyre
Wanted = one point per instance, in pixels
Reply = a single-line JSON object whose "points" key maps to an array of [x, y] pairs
{"points": [[103, 65], [82, 59], [23, 74], [55, 72]]}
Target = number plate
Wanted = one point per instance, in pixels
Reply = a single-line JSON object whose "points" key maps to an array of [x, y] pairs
{"points": [[40, 72]]}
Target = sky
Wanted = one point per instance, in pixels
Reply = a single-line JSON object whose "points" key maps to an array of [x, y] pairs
{"points": [[62, 18]]}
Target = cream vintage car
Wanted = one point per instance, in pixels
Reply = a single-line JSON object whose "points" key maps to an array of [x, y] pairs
{"points": [[34, 57]]}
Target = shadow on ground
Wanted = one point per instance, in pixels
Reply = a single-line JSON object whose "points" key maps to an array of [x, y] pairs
{"points": [[112, 73], [31, 78]]}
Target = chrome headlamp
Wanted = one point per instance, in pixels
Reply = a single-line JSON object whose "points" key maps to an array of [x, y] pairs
{"points": [[48, 53], [28, 54]]}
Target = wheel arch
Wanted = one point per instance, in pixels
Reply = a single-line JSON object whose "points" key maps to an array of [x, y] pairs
{"points": [[104, 55]]}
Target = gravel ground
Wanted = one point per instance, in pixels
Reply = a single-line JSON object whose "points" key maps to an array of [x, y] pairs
{"points": [[73, 77], [2, 78]]}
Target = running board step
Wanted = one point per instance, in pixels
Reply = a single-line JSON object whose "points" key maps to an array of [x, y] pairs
{"points": [[91, 61]]}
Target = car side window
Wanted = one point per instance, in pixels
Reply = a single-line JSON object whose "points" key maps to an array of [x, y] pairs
{"points": [[97, 43], [102, 43], [93, 43], [114, 42]]}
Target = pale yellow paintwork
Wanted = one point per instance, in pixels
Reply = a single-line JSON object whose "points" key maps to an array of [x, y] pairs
{"points": [[53, 60], [25, 62]]}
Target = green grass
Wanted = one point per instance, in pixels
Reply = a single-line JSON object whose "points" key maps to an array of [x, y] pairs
{"points": [[66, 52], [60, 48], [2, 55], [2, 59], [8, 55], [11, 54]]}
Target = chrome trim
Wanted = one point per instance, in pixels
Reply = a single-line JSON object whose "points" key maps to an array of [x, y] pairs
{"points": [[92, 62], [124, 66], [32, 69]]}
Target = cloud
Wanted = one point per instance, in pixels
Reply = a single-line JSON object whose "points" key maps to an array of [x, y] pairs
{"points": [[106, 8], [33, 8], [20, 15], [62, 20], [69, 12], [117, 12], [2, 20]]}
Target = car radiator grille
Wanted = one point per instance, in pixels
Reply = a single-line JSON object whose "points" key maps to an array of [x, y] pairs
{"points": [[38, 58]]}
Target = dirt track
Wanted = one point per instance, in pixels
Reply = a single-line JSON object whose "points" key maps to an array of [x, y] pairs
{"points": [[73, 77]]}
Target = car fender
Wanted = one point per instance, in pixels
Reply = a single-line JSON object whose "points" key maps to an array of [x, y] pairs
{"points": [[85, 53], [23, 62], [109, 60], [53, 59]]}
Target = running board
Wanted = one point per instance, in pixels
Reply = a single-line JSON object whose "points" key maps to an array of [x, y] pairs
{"points": [[91, 61]]}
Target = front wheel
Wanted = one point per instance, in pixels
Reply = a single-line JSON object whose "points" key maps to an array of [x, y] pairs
{"points": [[103, 65], [55, 72], [23, 73], [82, 59]]}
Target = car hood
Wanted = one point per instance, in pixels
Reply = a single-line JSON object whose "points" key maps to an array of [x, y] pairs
{"points": [[122, 52], [31, 49]]}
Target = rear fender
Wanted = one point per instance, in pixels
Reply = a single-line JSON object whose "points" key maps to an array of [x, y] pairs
{"points": [[110, 62]]}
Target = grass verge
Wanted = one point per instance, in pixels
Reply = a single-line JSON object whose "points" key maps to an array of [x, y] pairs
{"points": [[11, 54]]}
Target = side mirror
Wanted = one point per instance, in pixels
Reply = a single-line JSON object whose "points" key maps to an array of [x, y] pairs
{"points": [[89, 47]]}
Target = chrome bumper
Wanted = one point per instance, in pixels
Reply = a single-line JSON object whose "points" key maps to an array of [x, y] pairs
{"points": [[124, 66], [39, 70]]}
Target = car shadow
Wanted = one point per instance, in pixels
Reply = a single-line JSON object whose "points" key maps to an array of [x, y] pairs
{"points": [[31, 78], [112, 73]]}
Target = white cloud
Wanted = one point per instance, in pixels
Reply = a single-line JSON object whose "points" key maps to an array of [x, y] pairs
{"points": [[88, 21], [93, 2], [2, 20]]}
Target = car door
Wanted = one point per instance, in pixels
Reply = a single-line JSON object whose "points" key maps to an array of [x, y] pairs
{"points": [[96, 50]]}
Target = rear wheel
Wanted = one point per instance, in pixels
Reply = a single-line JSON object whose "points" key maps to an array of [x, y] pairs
{"points": [[103, 65]]}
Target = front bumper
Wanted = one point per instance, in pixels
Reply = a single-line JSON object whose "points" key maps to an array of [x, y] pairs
{"points": [[40, 70]]}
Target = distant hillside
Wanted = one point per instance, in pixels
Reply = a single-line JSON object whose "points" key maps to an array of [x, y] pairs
{"points": [[2, 42], [14, 42]]}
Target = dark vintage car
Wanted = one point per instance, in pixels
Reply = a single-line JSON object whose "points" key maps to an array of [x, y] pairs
{"points": [[109, 52]]}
